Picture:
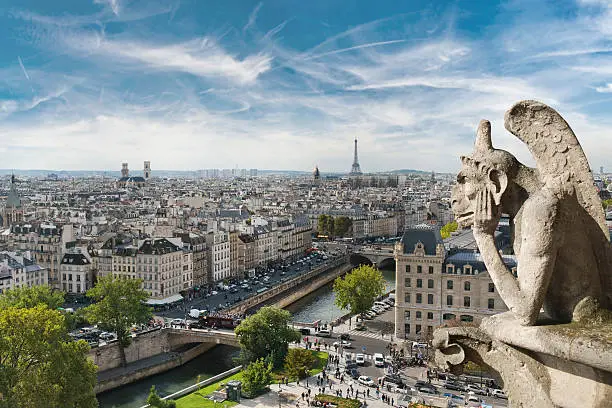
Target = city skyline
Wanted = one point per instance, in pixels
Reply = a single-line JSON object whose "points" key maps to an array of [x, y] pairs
{"points": [[189, 86]]}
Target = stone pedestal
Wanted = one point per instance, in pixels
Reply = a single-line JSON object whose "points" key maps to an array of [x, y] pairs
{"points": [[539, 366]]}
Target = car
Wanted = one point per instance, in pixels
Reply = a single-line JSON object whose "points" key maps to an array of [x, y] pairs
{"points": [[324, 333], [342, 343], [394, 379], [475, 389], [451, 385], [379, 360], [427, 390], [499, 394], [214, 292], [353, 373], [177, 322], [389, 360], [365, 380], [106, 336], [344, 336], [360, 359], [472, 400], [453, 397], [350, 364]]}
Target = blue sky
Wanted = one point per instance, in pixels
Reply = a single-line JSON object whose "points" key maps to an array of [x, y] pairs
{"points": [[289, 84]]}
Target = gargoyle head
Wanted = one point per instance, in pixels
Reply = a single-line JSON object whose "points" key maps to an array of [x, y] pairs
{"points": [[487, 170]]}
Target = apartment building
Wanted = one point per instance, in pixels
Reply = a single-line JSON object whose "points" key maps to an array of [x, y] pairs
{"points": [[160, 266], [434, 287], [18, 269], [218, 255], [76, 272]]}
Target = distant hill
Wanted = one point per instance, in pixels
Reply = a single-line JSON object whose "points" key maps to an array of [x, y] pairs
{"points": [[409, 171]]}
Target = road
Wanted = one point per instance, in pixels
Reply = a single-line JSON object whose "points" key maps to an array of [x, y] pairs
{"points": [[224, 298]]}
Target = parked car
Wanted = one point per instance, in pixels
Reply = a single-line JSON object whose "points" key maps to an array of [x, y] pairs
{"points": [[360, 359], [342, 343], [427, 390], [350, 364], [344, 336], [106, 336], [475, 389], [394, 379], [451, 385], [499, 394], [365, 380], [353, 373]]}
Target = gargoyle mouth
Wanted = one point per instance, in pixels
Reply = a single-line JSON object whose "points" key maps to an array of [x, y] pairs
{"points": [[465, 216]]}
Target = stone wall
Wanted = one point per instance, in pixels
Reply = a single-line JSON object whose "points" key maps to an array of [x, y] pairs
{"points": [[139, 374], [143, 346]]}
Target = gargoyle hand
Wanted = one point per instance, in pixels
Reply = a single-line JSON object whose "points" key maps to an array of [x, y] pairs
{"points": [[487, 214]]}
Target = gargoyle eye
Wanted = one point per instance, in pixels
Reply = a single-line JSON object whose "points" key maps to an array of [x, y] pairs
{"points": [[460, 178]]}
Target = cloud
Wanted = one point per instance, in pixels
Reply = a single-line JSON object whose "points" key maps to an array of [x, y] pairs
{"points": [[113, 4], [252, 18]]}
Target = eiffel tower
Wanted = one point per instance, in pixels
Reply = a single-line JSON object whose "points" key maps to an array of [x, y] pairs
{"points": [[355, 169]]}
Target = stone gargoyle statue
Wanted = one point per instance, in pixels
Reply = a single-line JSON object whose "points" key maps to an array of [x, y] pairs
{"points": [[560, 236]]}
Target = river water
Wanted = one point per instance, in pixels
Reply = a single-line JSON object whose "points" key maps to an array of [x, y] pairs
{"points": [[317, 305]]}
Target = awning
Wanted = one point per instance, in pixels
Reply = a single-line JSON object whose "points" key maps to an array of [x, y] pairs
{"points": [[171, 299]]}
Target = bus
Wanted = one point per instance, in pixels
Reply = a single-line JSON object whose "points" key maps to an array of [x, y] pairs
{"points": [[218, 322]]}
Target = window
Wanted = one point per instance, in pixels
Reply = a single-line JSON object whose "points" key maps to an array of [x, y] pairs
{"points": [[448, 316], [449, 269], [407, 298], [429, 315], [430, 299], [449, 300], [78, 278], [419, 269], [418, 329], [467, 285], [491, 287], [408, 284], [407, 268], [449, 284], [430, 283], [407, 328], [429, 330], [407, 315], [419, 298], [466, 301], [491, 304], [418, 315], [419, 283], [467, 318], [431, 270]]}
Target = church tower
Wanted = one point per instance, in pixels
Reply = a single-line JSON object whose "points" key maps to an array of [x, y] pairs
{"points": [[147, 170], [124, 170], [12, 212]]}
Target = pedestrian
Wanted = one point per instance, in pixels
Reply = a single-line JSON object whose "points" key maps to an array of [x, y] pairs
{"points": [[368, 393], [302, 396], [309, 392], [392, 401]]}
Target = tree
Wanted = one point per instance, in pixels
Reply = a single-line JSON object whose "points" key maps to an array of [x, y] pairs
{"points": [[120, 303], [155, 401], [256, 377], [40, 367], [27, 297], [342, 225], [266, 334], [299, 362], [359, 288], [447, 229]]}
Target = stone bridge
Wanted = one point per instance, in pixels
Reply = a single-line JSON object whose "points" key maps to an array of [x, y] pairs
{"points": [[178, 337], [382, 257]]}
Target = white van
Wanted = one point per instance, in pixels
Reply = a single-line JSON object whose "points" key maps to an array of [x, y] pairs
{"points": [[379, 360], [382, 304]]}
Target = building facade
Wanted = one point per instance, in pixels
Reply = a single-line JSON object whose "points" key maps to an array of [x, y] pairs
{"points": [[218, 255], [76, 273], [19, 269]]}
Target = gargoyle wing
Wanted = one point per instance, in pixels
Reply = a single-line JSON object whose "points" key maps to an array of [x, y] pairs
{"points": [[560, 160]]}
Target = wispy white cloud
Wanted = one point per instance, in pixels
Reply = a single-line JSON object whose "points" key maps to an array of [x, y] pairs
{"points": [[252, 18], [113, 4], [25, 72]]}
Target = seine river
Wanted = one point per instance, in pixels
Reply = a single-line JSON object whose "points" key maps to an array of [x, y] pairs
{"points": [[317, 305]]}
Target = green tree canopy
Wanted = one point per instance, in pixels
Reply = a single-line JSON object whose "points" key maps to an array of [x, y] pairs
{"points": [[155, 401], [299, 362], [266, 334], [27, 297], [119, 304], [359, 288], [447, 229], [342, 226], [256, 377], [40, 367]]}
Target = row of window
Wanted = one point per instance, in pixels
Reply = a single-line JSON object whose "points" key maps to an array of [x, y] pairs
{"points": [[467, 301], [467, 286], [420, 269]]}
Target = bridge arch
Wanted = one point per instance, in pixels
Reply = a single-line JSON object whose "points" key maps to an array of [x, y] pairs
{"points": [[358, 259], [180, 337]]}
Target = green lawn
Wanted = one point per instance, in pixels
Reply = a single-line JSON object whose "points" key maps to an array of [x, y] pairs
{"points": [[199, 399]]}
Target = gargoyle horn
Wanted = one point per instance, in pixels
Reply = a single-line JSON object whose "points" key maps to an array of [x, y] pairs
{"points": [[483, 143]]}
